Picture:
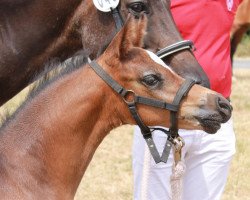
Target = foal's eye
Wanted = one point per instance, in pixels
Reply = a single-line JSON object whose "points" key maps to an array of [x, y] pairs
{"points": [[151, 80], [138, 7]]}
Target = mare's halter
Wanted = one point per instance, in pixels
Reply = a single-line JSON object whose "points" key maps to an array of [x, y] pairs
{"points": [[146, 131], [169, 50]]}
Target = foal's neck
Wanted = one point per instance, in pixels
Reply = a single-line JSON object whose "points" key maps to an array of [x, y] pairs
{"points": [[53, 138]]}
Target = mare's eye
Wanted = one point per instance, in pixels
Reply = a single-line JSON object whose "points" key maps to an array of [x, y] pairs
{"points": [[151, 80], [138, 7]]}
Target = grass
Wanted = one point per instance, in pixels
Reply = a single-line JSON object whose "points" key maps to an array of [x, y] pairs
{"points": [[243, 49], [109, 175], [238, 186]]}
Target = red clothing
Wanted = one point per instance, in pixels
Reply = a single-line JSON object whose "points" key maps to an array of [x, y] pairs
{"points": [[207, 23]]}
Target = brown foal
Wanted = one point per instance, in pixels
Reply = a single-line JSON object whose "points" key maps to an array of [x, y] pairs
{"points": [[48, 143]]}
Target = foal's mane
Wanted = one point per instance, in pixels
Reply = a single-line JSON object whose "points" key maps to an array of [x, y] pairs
{"points": [[53, 71]]}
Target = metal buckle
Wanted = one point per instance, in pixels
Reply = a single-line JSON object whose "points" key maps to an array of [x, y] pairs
{"points": [[178, 143]]}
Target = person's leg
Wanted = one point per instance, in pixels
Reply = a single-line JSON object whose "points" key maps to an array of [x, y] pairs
{"points": [[206, 157], [152, 181], [149, 178], [208, 164]]}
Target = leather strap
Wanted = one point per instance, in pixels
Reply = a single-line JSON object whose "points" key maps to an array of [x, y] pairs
{"points": [[181, 93], [178, 46], [156, 103], [108, 79], [118, 19], [146, 132]]}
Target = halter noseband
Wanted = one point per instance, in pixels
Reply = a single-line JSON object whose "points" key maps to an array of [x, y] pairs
{"points": [[176, 47], [146, 131]]}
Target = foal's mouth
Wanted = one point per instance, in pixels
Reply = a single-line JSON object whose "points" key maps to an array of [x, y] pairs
{"points": [[211, 124]]}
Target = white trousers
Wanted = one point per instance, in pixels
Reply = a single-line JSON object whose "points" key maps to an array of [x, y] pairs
{"points": [[207, 159]]}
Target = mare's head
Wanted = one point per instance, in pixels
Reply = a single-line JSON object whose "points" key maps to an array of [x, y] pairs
{"points": [[143, 72], [161, 32]]}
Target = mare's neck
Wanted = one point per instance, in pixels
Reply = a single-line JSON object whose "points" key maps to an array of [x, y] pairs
{"points": [[31, 33], [54, 137]]}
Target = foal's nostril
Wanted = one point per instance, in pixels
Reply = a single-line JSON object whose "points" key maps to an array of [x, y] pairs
{"points": [[225, 108], [224, 104]]}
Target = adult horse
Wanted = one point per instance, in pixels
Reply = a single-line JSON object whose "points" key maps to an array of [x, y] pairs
{"points": [[48, 143], [240, 25], [34, 31]]}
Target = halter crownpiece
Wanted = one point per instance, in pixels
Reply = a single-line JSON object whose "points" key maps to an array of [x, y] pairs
{"points": [[106, 5], [110, 6], [145, 130], [113, 7]]}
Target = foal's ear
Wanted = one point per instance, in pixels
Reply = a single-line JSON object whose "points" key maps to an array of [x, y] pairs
{"points": [[134, 31], [131, 35]]}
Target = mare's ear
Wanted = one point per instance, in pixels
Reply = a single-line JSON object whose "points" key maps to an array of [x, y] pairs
{"points": [[131, 35]]}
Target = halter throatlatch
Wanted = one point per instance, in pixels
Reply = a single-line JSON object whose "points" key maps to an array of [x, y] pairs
{"points": [[146, 131]]}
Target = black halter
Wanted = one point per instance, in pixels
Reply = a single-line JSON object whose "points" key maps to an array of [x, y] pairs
{"points": [[176, 47], [146, 131], [166, 51]]}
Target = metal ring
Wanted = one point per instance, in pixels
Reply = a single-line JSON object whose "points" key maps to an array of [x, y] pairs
{"points": [[131, 93]]}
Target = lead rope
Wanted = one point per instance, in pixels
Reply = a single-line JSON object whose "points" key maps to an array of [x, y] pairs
{"points": [[178, 170], [145, 174]]}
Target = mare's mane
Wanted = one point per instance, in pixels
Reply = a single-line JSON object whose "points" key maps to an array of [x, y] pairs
{"points": [[53, 71]]}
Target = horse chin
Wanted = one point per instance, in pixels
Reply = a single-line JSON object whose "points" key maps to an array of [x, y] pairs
{"points": [[210, 125]]}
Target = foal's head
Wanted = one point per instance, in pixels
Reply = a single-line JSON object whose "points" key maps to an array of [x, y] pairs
{"points": [[144, 73]]}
